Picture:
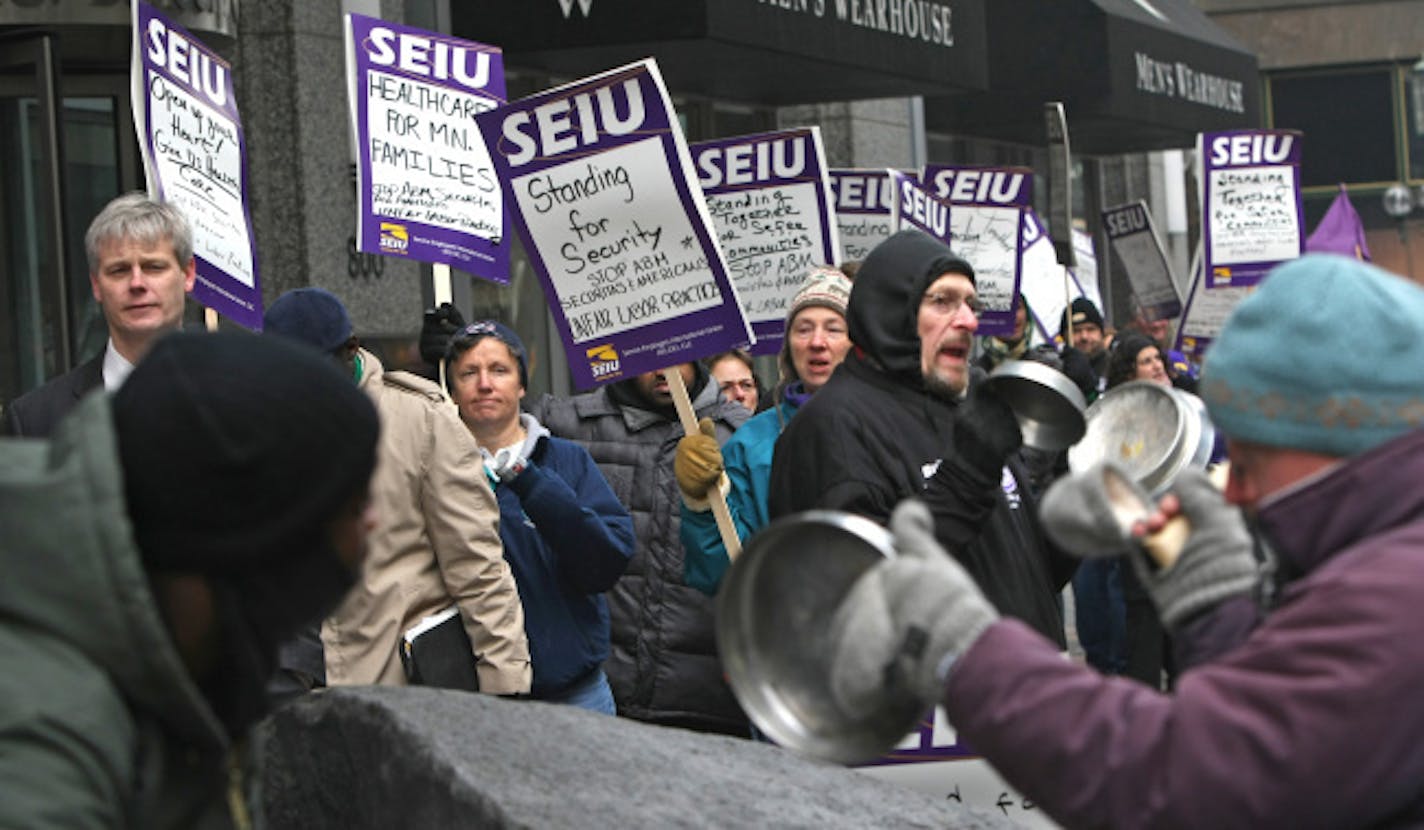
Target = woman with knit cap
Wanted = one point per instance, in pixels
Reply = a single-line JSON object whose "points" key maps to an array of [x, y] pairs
{"points": [[815, 343], [565, 535]]}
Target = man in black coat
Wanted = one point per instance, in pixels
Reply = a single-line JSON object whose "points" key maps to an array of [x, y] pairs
{"points": [[140, 269], [894, 421]]}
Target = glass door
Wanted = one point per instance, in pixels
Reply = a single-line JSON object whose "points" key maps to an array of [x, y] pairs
{"points": [[62, 157]]}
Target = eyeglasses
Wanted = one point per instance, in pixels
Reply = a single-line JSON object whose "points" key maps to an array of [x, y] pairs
{"points": [[946, 305]]}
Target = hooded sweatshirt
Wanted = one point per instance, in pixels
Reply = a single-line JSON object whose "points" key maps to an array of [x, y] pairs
{"points": [[874, 435], [100, 723]]}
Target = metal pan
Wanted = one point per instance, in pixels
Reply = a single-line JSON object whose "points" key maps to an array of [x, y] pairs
{"points": [[1152, 430], [773, 618], [1048, 405]]}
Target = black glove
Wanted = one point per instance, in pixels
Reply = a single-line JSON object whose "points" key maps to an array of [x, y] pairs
{"points": [[986, 432], [1080, 370], [439, 326]]}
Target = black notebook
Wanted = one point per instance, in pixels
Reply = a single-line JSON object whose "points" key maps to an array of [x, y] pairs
{"points": [[436, 652]]}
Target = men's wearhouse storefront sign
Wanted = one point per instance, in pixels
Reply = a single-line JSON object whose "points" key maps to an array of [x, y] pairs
{"points": [[607, 202], [194, 158], [426, 189]]}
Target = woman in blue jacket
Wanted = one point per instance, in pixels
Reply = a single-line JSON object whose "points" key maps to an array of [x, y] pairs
{"points": [[566, 536]]}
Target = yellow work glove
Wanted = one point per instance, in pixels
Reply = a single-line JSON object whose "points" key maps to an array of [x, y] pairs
{"points": [[698, 464]]}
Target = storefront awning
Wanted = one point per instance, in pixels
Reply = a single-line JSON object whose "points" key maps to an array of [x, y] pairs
{"points": [[773, 52], [1134, 75]]}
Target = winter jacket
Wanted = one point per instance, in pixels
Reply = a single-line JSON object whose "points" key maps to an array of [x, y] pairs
{"points": [[747, 460], [436, 543], [874, 435], [100, 723], [568, 540], [1311, 719], [664, 666], [36, 413]]}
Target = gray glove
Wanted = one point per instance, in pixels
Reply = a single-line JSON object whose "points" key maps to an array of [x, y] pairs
{"points": [[1091, 514], [1215, 563], [894, 633]]}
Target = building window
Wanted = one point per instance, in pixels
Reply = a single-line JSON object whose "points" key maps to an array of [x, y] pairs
{"points": [[1348, 121]]}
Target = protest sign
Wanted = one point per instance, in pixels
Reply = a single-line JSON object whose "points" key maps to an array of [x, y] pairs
{"points": [[1205, 313], [194, 158], [985, 237], [1252, 215], [932, 759], [601, 184], [425, 187], [1085, 267], [1133, 236], [1060, 183], [864, 204], [771, 207], [984, 200], [1042, 285]]}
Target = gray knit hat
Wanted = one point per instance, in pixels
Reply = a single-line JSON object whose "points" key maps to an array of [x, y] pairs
{"points": [[823, 287]]}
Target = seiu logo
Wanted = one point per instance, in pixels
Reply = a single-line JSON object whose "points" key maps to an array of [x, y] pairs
{"points": [[394, 238], [603, 360]]}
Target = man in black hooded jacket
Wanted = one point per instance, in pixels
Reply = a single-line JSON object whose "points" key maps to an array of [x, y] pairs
{"points": [[894, 421]]}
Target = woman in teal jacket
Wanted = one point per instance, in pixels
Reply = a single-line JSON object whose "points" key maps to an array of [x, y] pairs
{"points": [[815, 343]]}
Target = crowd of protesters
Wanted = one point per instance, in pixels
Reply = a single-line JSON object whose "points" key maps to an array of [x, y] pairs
{"points": [[241, 519]]}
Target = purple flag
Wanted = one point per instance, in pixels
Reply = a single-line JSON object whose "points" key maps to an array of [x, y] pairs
{"points": [[1340, 231]]}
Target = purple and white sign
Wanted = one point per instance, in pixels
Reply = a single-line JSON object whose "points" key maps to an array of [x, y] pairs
{"points": [[865, 207], [426, 189], [1205, 314], [194, 158], [607, 202], [1046, 284], [986, 219], [771, 206], [1131, 232], [1252, 215]]}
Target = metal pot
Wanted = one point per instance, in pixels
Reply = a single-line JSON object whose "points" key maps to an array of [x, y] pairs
{"points": [[1048, 405], [1153, 431], [773, 618]]}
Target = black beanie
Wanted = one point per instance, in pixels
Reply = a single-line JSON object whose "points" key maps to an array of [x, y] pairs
{"points": [[1083, 311], [238, 451]]}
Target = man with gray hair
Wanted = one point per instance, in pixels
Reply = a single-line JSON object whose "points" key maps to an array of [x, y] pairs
{"points": [[140, 269]]}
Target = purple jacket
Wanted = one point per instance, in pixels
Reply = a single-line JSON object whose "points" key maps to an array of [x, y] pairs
{"points": [[1315, 719]]}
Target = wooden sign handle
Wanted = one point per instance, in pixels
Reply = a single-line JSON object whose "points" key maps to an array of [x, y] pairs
{"points": [[688, 417]]}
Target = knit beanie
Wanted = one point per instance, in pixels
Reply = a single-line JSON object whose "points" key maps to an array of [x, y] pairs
{"points": [[1083, 311], [312, 315], [466, 338], [237, 451], [1327, 355], [823, 287]]}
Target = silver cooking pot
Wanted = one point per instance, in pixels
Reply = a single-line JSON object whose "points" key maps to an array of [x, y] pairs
{"points": [[1153, 431], [773, 619]]}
